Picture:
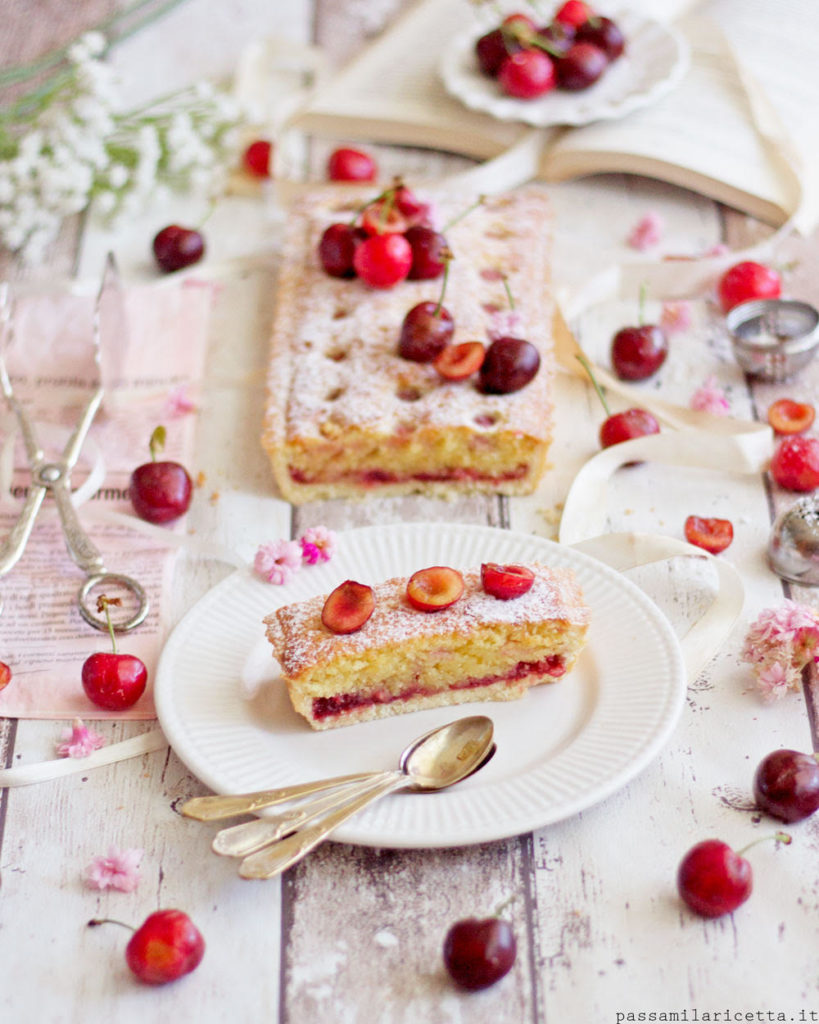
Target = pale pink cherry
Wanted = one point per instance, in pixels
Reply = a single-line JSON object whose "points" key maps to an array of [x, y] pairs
{"points": [[277, 561], [675, 317], [710, 397], [647, 232], [778, 645], [178, 404], [119, 870], [79, 740], [318, 544]]}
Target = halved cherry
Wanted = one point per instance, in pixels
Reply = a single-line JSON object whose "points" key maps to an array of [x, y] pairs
{"points": [[348, 607], [712, 535], [435, 588], [457, 362], [506, 581], [789, 417], [5, 675], [383, 216]]}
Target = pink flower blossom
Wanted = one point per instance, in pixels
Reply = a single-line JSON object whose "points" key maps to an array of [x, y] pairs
{"points": [[503, 323], [317, 545], [720, 249], [675, 317], [79, 741], [276, 561], [177, 404], [646, 232], [116, 871], [779, 644], [711, 398]]}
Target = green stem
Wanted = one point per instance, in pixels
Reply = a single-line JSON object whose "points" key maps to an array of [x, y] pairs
{"points": [[95, 921], [460, 216], [642, 303], [509, 295], [102, 606], [778, 837], [587, 367], [446, 255]]}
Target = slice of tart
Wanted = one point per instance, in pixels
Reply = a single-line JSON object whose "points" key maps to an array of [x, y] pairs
{"points": [[481, 647], [347, 416]]}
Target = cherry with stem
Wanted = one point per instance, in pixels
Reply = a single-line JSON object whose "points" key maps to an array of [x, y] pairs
{"points": [[428, 327], [620, 426], [111, 680]]}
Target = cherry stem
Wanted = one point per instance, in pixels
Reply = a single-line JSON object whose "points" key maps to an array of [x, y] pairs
{"points": [[642, 303], [778, 837], [109, 920], [157, 442], [447, 258], [587, 367], [509, 295], [103, 606], [397, 183], [460, 216]]}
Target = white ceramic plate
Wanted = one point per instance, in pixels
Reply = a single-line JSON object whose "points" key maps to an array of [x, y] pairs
{"points": [[561, 748], [655, 59]]}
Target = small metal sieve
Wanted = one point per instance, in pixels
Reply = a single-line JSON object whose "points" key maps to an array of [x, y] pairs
{"points": [[773, 339], [793, 547]]}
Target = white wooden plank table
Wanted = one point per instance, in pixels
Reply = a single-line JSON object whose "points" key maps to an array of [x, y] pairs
{"points": [[354, 934]]}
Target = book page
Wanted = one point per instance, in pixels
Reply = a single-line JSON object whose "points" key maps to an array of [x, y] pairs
{"points": [[700, 136]]}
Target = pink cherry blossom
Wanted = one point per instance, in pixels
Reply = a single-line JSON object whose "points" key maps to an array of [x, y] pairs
{"points": [[646, 232], [675, 317], [710, 397], [503, 323], [277, 560], [720, 249], [177, 404], [318, 544], [79, 740], [119, 870], [778, 645]]}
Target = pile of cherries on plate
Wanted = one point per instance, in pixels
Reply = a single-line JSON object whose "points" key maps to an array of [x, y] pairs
{"points": [[571, 52]]}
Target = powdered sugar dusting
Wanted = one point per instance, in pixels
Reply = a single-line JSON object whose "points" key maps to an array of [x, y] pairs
{"points": [[334, 355], [301, 641]]}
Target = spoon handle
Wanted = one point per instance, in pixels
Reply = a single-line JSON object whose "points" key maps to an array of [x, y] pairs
{"points": [[279, 856], [214, 808], [250, 836]]}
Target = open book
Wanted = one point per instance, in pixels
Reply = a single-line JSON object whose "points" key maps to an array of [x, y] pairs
{"points": [[742, 126]]}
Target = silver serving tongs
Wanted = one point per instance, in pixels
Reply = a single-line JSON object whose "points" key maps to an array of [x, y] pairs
{"points": [[56, 477]]}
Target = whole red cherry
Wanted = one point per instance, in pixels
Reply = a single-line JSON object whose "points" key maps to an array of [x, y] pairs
{"points": [[256, 158], [573, 13], [714, 880], [795, 463], [383, 261], [176, 247], [786, 785], [638, 352], [527, 74], [111, 680], [603, 33], [166, 946], [623, 426], [747, 281], [581, 66], [347, 164], [479, 952], [160, 491]]}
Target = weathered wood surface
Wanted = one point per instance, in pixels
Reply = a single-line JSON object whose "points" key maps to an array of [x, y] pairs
{"points": [[354, 934]]}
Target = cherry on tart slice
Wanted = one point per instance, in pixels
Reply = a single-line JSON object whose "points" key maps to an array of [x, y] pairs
{"points": [[435, 588], [710, 534], [457, 362], [428, 248], [348, 607], [786, 785], [427, 328], [506, 581], [337, 249], [789, 417], [510, 363]]}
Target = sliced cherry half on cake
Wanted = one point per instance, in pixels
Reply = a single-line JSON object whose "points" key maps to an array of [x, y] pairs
{"points": [[457, 362], [506, 581], [433, 589], [348, 607]]}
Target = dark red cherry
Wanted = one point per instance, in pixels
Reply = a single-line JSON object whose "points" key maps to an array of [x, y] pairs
{"points": [[582, 66], [176, 247], [428, 248], [556, 38], [160, 491], [493, 48], [786, 785], [509, 365], [337, 249], [714, 880], [477, 953], [603, 33], [638, 352], [426, 331]]}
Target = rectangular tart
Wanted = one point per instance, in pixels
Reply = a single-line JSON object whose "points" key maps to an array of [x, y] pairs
{"points": [[346, 416], [403, 659]]}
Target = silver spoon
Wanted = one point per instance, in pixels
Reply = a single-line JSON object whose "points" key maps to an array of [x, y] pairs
{"points": [[434, 761]]}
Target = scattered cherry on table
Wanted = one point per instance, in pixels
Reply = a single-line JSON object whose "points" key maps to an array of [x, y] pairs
{"points": [[619, 426], [165, 947], [747, 281], [346, 164], [111, 680], [709, 533], [786, 785], [256, 158], [787, 416], [160, 492], [176, 247], [638, 352], [478, 952], [713, 879]]}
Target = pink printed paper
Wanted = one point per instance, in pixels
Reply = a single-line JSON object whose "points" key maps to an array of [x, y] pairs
{"points": [[157, 347]]}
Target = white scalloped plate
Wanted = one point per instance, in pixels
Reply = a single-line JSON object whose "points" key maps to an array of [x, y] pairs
{"points": [[655, 59], [561, 748]]}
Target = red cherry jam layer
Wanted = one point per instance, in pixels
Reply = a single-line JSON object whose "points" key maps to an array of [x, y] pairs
{"points": [[376, 477], [325, 707]]}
